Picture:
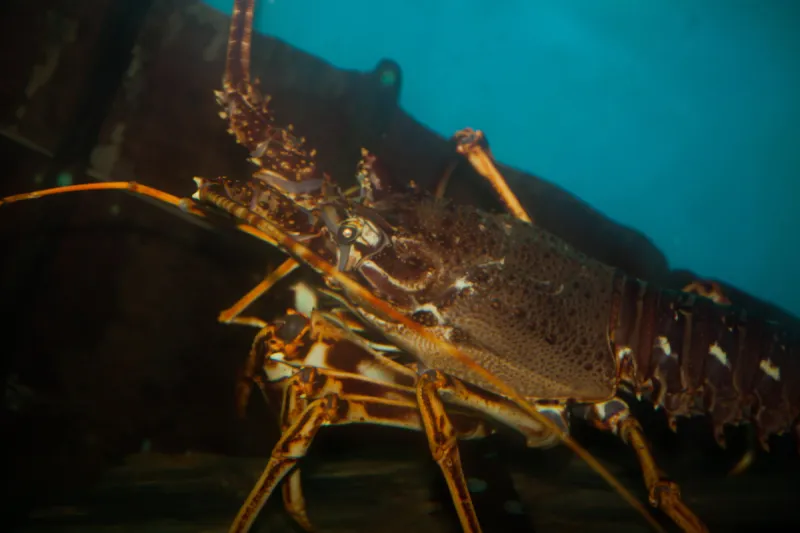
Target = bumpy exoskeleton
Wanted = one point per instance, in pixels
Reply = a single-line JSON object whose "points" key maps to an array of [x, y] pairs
{"points": [[525, 305]]}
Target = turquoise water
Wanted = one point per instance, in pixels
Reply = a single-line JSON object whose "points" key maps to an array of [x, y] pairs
{"points": [[679, 118]]}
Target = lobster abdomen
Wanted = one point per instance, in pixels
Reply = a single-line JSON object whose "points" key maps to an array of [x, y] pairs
{"points": [[699, 357]]}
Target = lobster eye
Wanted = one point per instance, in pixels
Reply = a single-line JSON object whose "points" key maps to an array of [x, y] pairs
{"points": [[347, 234], [290, 327]]}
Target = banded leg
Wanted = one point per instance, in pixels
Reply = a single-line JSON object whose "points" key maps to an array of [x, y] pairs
{"points": [[341, 361], [472, 144], [293, 499], [443, 442], [468, 405], [321, 397], [294, 502], [231, 315], [458, 394], [614, 416], [268, 338], [292, 446], [434, 390]]}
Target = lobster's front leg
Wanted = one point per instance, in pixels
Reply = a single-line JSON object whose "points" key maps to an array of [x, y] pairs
{"points": [[323, 376], [295, 502], [292, 446], [443, 441], [434, 390], [317, 397], [614, 416]]}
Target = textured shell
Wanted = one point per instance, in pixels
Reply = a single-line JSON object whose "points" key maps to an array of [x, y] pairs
{"points": [[518, 300]]}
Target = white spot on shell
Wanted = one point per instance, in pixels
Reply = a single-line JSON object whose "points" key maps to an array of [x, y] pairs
{"points": [[600, 409], [372, 371], [279, 369], [719, 354], [260, 149], [623, 352], [305, 299], [384, 348], [317, 355], [462, 283], [663, 343], [770, 369], [430, 308], [199, 183]]}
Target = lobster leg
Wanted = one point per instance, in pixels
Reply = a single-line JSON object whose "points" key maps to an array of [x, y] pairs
{"points": [[313, 400], [304, 359], [250, 374], [231, 315], [434, 388], [443, 442], [294, 502], [614, 416], [292, 446], [472, 144]]}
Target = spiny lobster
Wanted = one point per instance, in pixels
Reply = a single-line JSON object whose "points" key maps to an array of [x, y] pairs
{"points": [[510, 325]]}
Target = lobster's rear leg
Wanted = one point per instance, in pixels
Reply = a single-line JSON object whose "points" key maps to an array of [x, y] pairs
{"points": [[708, 289], [472, 144], [614, 416]]}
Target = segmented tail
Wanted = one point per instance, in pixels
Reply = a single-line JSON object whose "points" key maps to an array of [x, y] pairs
{"points": [[694, 357]]}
